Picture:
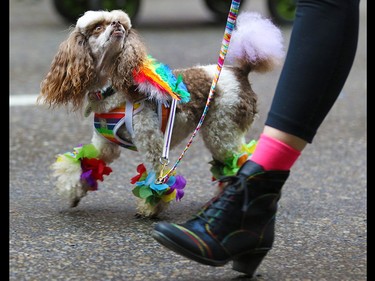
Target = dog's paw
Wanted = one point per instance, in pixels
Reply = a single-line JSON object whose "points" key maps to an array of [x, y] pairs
{"points": [[145, 210], [76, 194], [74, 202], [73, 194]]}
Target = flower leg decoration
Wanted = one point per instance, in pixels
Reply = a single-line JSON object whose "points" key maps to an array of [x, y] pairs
{"points": [[232, 164], [155, 196], [78, 172]]}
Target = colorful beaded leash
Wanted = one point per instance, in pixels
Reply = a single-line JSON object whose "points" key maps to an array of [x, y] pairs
{"points": [[231, 20]]}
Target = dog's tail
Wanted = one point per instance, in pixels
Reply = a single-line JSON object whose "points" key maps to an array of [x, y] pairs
{"points": [[256, 43]]}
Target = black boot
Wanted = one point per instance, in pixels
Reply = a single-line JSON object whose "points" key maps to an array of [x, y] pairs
{"points": [[236, 225]]}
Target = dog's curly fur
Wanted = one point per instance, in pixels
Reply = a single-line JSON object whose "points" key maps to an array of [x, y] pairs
{"points": [[103, 48]]}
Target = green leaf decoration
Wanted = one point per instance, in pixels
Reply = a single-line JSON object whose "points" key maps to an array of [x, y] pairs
{"points": [[152, 200], [136, 191], [145, 192]]}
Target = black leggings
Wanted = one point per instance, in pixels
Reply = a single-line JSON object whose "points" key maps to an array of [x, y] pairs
{"points": [[322, 47]]}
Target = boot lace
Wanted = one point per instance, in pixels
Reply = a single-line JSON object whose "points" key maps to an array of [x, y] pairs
{"points": [[236, 185]]}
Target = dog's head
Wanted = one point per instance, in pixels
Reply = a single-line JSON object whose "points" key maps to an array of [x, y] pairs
{"points": [[105, 33], [102, 47]]}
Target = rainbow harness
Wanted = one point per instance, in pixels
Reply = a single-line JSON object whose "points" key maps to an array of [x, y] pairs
{"points": [[107, 124]]}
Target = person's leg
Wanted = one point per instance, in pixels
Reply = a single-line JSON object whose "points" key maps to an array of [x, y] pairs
{"points": [[238, 224], [320, 55]]}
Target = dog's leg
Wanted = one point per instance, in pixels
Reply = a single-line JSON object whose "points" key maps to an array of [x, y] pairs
{"points": [[149, 142], [68, 172], [68, 179], [223, 143], [108, 151]]}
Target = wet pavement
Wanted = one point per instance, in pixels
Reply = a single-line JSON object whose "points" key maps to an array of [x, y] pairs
{"points": [[321, 229]]}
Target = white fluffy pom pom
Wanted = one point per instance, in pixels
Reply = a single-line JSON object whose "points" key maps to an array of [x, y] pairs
{"points": [[256, 40]]}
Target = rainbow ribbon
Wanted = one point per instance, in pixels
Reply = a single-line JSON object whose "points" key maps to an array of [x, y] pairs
{"points": [[231, 20]]}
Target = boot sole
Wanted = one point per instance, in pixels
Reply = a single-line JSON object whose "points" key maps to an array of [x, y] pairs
{"points": [[165, 241], [245, 263]]}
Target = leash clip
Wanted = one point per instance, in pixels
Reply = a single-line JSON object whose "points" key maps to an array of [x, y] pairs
{"points": [[164, 162]]}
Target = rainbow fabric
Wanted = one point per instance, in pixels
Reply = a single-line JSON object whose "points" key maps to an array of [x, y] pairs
{"points": [[157, 81], [107, 125]]}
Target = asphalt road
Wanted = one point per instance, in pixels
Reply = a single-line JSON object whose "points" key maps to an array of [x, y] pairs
{"points": [[322, 220]]}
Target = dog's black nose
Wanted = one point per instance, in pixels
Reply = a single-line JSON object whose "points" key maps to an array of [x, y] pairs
{"points": [[116, 23]]}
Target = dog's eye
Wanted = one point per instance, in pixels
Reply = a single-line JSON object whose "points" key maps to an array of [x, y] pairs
{"points": [[98, 27]]}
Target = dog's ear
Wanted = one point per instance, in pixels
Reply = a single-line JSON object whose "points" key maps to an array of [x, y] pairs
{"points": [[71, 70], [130, 60]]}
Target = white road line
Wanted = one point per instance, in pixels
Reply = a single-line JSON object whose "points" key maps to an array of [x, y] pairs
{"points": [[22, 100]]}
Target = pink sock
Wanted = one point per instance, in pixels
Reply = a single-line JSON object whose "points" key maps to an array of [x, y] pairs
{"points": [[273, 154]]}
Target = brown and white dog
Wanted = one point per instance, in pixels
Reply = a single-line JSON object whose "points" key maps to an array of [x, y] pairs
{"points": [[94, 70]]}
